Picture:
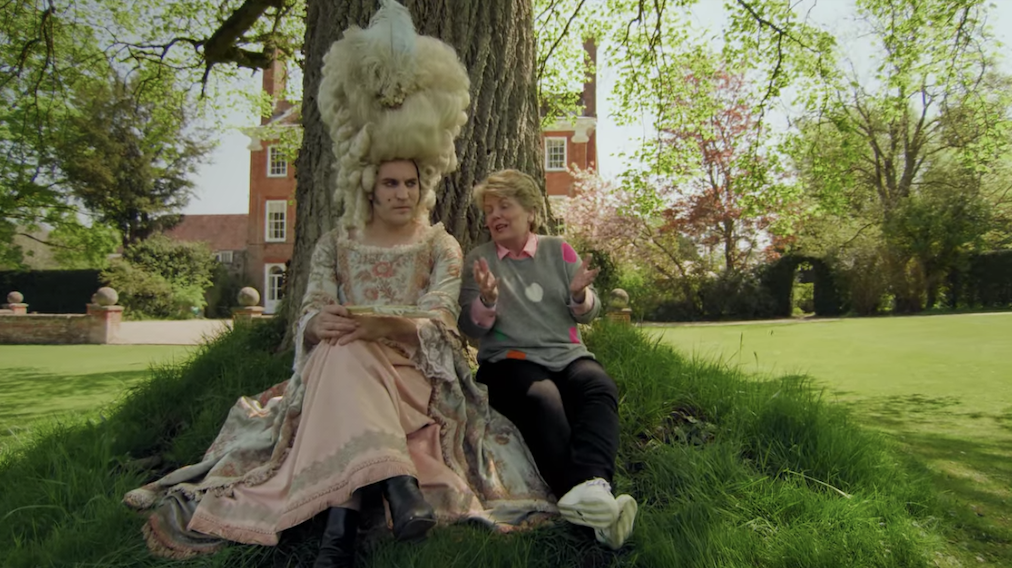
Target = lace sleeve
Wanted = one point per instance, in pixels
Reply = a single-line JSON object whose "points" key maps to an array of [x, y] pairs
{"points": [[438, 337], [321, 290]]}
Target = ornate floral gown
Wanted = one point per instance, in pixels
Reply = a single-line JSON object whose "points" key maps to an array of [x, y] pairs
{"points": [[353, 415]]}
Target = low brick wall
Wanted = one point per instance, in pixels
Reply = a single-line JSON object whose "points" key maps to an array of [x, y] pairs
{"points": [[45, 329], [99, 326]]}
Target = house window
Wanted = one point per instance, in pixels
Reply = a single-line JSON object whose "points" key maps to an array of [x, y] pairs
{"points": [[555, 154], [223, 256], [275, 280], [276, 227], [277, 165]]}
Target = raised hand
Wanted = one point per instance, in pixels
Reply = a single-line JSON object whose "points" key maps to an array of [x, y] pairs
{"points": [[584, 277], [486, 282]]}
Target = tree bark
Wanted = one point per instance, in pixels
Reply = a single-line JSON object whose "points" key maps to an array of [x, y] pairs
{"points": [[495, 41]]}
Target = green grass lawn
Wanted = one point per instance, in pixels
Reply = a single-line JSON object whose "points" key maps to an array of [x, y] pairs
{"points": [[940, 385], [44, 381], [728, 471]]}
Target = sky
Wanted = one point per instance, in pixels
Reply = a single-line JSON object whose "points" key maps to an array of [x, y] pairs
{"points": [[223, 183]]}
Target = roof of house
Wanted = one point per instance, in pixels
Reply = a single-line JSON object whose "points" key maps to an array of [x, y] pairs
{"points": [[220, 232]]}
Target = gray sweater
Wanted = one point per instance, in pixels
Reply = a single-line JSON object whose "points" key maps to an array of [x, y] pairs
{"points": [[534, 321]]}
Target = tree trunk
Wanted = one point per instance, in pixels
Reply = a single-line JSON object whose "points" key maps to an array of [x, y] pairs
{"points": [[495, 41]]}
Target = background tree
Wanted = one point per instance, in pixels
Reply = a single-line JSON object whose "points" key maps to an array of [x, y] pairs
{"points": [[60, 73], [879, 150], [44, 53], [129, 152], [161, 278], [727, 202]]}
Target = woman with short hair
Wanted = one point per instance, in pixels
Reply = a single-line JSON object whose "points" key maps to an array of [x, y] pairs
{"points": [[522, 298]]}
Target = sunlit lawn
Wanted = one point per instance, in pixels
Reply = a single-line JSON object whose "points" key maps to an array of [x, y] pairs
{"points": [[46, 381], [942, 385]]}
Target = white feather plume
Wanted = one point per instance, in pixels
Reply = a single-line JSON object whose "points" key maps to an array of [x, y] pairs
{"points": [[390, 52]]}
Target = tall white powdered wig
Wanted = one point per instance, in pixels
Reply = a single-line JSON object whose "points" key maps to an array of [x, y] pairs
{"points": [[388, 93]]}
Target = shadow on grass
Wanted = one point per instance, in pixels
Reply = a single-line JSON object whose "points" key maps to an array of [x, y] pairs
{"points": [[899, 411], [975, 478], [30, 395], [973, 472]]}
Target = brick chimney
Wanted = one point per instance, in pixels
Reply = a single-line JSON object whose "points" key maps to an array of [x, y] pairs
{"points": [[589, 96], [274, 82]]}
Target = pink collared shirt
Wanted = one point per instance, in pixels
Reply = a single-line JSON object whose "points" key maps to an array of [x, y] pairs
{"points": [[484, 316], [529, 250]]}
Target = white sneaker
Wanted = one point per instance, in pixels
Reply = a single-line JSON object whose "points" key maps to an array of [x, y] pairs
{"points": [[616, 534], [590, 504]]}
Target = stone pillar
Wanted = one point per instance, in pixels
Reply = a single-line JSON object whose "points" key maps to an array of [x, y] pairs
{"points": [[105, 316], [618, 306], [248, 300], [15, 304]]}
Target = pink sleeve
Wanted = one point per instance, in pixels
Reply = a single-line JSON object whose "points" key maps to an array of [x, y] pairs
{"points": [[578, 309], [482, 315]]}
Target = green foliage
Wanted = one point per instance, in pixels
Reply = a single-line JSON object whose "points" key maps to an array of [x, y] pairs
{"points": [[129, 152], [560, 28], [52, 291], [780, 278], [144, 295], [182, 263], [917, 151], [642, 296], [162, 278], [77, 246], [56, 58], [44, 53], [738, 295], [803, 298], [702, 297], [223, 294]]}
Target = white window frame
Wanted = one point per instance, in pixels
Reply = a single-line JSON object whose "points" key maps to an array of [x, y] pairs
{"points": [[548, 153], [223, 256], [272, 206], [276, 158], [272, 293]]}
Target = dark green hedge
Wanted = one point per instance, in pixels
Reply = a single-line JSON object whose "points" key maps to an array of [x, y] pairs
{"points": [[985, 282], [778, 280], [52, 291]]}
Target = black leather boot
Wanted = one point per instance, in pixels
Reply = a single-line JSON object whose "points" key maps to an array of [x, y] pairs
{"points": [[411, 514], [337, 547]]}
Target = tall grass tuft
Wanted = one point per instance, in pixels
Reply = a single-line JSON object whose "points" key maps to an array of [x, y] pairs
{"points": [[728, 471]]}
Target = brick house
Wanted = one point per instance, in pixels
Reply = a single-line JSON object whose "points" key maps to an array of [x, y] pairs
{"points": [[270, 238], [224, 234], [572, 142], [269, 234]]}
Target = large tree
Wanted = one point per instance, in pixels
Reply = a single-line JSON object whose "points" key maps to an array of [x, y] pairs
{"points": [[129, 152], [44, 52], [881, 149], [495, 41], [723, 205], [58, 67]]}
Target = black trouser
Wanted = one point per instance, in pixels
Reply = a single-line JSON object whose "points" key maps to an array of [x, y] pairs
{"points": [[568, 418]]}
